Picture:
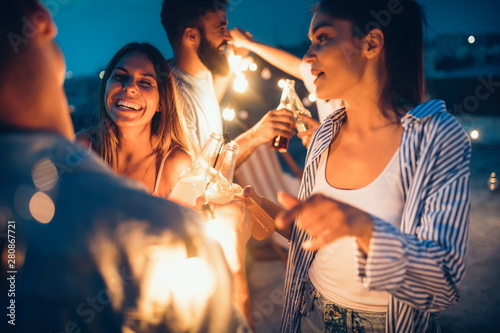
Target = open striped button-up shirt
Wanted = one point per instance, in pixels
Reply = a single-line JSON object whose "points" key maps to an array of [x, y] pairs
{"points": [[422, 263]]}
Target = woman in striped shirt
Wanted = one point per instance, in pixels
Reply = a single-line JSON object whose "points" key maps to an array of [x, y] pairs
{"points": [[378, 238]]}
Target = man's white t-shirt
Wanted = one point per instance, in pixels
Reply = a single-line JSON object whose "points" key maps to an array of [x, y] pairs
{"points": [[199, 104]]}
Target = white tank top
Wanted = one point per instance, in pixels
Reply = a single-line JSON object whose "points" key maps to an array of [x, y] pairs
{"points": [[333, 270]]}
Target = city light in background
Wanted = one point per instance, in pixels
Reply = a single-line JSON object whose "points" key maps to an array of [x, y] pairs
{"points": [[474, 134], [493, 182]]}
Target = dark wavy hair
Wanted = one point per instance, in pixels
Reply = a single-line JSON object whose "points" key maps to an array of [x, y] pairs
{"points": [[402, 23], [168, 126], [177, 15]]}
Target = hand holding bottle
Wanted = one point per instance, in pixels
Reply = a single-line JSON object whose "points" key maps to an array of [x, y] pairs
{"points": [[219, 190], [306, 135], [192, 183], [291, 101], [262, 224], [274, 123]]}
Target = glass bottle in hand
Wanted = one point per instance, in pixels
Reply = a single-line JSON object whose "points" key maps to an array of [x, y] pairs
{"points": [[193, 181]]}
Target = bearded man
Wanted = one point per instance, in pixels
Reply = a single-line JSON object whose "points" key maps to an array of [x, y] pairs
{"points": [[197, 31]]}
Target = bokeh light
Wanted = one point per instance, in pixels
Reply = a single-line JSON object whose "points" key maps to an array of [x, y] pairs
{"points": [[282, 83], [312, 98], [240, 84], [42, 207], [266, 74], [173, 281], [228, 114], [101, 75], [243, 114], [307, 103], [252, 66], [471, 39], [492, 182], [474, 134], [234, 61], [44, 175]]}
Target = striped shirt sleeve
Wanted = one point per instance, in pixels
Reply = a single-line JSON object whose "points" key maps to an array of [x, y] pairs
{"points": [[423, 265]]}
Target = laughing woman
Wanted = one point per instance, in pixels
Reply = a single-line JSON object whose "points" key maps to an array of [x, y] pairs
{"points": [[379, 235], [140, 132]]}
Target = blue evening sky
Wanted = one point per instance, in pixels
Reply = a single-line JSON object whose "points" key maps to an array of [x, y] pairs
{"points": [[91, 31]]}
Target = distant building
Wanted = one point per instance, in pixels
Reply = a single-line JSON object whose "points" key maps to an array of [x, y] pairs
{"points": [[458, 55]]}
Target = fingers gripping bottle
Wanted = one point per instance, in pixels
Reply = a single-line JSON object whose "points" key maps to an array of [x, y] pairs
{"points": [[291, 101], [193, 181], [220, 191]]}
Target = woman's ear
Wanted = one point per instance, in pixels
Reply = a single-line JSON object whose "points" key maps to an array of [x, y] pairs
{"points": [[373, 43]]}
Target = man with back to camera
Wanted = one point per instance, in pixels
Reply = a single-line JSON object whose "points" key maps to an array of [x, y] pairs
{"points": [[85, 248], [197, 31]]}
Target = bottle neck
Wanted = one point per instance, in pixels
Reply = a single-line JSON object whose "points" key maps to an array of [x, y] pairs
{"points": [[211, 149], [227, 166]]}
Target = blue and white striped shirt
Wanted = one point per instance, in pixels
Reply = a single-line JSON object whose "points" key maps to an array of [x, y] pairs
{"points": [[422, 264]]}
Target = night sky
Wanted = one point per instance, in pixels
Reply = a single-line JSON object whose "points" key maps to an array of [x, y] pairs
{"points": [[91, 31]]}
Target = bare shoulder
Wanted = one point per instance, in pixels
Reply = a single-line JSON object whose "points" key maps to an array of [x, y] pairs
{"points": [[179, 156], [177, 162]]}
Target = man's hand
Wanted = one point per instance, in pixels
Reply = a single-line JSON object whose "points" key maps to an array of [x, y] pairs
{"points": [[241, 38], [325, 220], [274, 123]]}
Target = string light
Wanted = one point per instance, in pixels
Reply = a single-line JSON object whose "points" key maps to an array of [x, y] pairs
{"points": [[228, 114], [234, 61], [266, 74], [240, 84], [312, 98]]}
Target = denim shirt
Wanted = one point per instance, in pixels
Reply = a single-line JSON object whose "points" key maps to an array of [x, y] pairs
{"points": [[421, 264], [91, 263]]}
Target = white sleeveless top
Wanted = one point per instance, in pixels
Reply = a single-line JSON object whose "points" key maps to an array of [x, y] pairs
{"points": [[333, 270]]}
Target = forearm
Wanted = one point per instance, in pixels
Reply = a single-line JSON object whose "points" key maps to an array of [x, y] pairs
{"points": [[247, 142], [424, 273], [283, 60]]}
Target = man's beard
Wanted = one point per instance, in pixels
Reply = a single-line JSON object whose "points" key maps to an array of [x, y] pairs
{"points": [[210, 57]]}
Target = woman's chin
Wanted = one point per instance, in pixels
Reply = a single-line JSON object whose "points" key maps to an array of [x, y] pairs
{"points": [[326, 95]]}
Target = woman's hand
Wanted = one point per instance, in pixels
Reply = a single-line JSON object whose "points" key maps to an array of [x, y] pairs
{"points": [[325, 220], [307, 135]]}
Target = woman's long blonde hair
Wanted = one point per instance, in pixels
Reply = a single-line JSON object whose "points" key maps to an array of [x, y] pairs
{"points": [[168, 126]]}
